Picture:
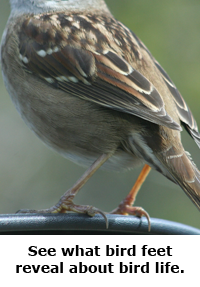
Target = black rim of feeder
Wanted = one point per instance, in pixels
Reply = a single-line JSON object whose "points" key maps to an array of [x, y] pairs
{"points": [[76, 224]]}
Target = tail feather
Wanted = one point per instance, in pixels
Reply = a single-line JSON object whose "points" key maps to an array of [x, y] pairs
{"points": [[183, 171], [173, 162]]}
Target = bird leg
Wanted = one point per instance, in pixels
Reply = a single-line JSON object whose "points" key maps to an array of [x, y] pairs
{"points": [[66, 204], [66, 201], [125, 207]]}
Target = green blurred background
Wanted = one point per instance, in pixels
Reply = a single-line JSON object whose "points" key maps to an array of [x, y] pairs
{"points": [[32, 176]]}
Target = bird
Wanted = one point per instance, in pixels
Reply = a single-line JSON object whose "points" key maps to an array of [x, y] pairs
{"points": [[89, 88]]}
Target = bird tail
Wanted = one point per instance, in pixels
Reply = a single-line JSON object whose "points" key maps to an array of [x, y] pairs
{"points": [[183, 171]]}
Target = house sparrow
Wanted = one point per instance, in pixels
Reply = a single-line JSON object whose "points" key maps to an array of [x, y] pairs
{"points": [[90, 89]]}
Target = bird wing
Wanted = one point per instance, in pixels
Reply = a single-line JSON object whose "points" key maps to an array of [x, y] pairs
{"points": [[77, 54]]}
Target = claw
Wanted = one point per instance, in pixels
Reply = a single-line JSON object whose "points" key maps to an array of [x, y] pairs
{"points": [[104, 216], [132, 210], [90, 210]]}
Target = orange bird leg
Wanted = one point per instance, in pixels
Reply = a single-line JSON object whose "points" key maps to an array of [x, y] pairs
{"points": [[125, 207]]}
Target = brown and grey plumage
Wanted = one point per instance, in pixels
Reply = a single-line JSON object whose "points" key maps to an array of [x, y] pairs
{"points": [[89, 88]]}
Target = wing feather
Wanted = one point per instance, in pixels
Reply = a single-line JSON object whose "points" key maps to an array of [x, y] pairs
{"points": [[97, 72], [184, 112]]}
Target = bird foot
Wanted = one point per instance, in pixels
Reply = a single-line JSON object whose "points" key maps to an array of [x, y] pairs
{"points": [[68, 206], [126, 209]]}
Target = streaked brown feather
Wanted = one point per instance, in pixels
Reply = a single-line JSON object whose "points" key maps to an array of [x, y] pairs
{"points": [[184, 112], [128, 90], [183, 171]]}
